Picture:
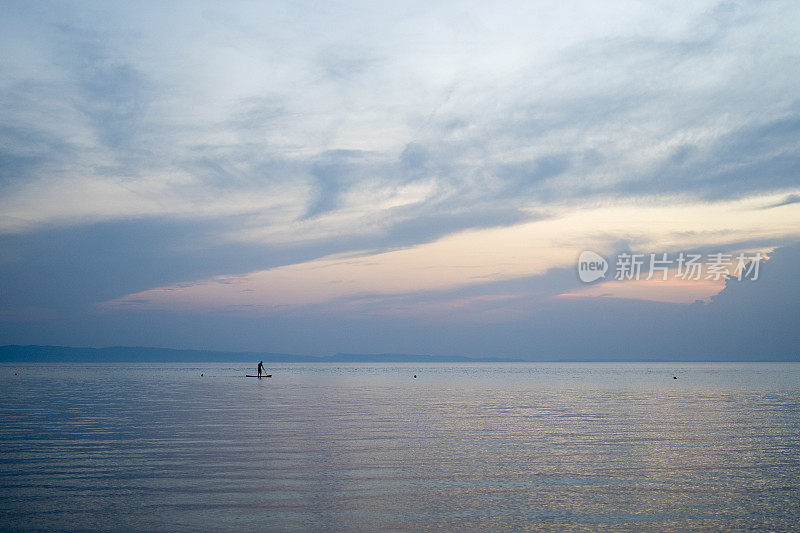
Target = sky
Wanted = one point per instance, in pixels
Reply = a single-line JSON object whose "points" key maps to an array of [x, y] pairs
{"points": [[406, 177]]}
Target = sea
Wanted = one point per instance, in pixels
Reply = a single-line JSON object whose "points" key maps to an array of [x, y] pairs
{"points": [[400, 447]]}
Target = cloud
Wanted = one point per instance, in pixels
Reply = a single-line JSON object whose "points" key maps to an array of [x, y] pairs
{"points": [[789, 200], [756, 158], [176, 144], [736, 327], [508, 118], [482, 255]]}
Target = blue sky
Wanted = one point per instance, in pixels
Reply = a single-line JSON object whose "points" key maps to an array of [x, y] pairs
{"points": [[380, 177]]}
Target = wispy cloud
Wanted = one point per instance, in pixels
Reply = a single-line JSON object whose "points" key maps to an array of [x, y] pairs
{"points": [[172, 145], [632, 102], [789, 200], [487, 256]]}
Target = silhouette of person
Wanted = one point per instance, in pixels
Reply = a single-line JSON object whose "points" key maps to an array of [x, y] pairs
{"points": [[260, 367]]}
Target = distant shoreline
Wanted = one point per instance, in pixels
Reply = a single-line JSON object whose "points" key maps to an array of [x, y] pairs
{"points": [[139, 354], [136, 354]]}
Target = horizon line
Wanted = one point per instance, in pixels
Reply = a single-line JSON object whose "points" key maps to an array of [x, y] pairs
{"points": [[37, 353]]}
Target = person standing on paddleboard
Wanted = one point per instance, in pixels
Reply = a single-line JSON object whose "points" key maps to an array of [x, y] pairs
{"points": [[260, 367]]}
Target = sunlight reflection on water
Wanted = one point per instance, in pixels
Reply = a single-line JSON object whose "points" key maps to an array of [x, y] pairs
{"points": [[366, 446]]}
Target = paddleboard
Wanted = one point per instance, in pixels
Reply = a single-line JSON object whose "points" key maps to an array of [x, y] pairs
{"points": [[264, 376]]}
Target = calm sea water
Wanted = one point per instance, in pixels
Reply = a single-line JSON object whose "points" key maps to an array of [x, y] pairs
{"points": [[368, 447]]}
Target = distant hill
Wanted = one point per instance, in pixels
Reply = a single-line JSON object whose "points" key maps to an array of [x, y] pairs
{"points": [[136, 354], [410, 358]]}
